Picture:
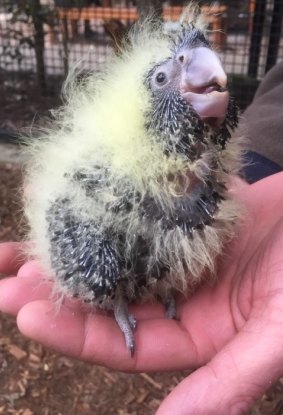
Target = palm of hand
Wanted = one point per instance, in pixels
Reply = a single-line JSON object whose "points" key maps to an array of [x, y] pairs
{"points": [[232, 330]]}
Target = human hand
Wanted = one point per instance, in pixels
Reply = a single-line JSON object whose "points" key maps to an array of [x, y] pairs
{"points": [[231, 331]]}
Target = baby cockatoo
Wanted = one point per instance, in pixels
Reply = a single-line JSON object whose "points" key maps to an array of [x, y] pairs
{"points": [[129, 195]]}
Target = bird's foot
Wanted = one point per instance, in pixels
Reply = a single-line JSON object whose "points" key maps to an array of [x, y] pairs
{"points": [[127, 324], [132, 321], [170, 307]]}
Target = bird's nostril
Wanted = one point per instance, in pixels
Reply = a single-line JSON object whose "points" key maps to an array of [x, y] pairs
{"points": [[181, 58]]}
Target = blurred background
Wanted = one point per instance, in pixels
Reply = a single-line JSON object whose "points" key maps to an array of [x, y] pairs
{"points": [[39, 41]]}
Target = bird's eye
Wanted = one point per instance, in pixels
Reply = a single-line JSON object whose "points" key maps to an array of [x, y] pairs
{"points": [[161, 78]]}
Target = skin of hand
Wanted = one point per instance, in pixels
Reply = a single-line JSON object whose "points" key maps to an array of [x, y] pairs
{"points": [[231, 331]]}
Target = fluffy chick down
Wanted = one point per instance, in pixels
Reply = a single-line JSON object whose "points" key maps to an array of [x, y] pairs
{"points": [[107, 191]]}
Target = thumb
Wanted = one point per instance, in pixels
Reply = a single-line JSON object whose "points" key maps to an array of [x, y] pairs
{"points": [[234, 379]]}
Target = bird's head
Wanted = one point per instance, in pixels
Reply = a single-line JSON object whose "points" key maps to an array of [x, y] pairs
{"points": [[189, 97], [163, 102]]}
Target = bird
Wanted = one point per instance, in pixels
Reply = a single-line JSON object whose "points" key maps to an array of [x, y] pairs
{"points": [[128, 197]]}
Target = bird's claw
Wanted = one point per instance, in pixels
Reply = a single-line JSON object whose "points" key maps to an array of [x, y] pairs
{"points": [[127, 324], [170, 307], [132, 321]]}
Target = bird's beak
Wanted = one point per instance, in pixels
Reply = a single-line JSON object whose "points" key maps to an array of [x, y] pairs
{"points": [[203, 84]]}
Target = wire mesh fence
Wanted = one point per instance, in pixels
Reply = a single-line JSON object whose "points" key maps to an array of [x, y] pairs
{"points": [[45, 38]]}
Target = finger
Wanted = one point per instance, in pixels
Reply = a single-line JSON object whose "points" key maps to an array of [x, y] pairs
{"points": [[16, 292], [161, 344], [234, 378], [154, 310], [31, 269], [11, 257]]}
